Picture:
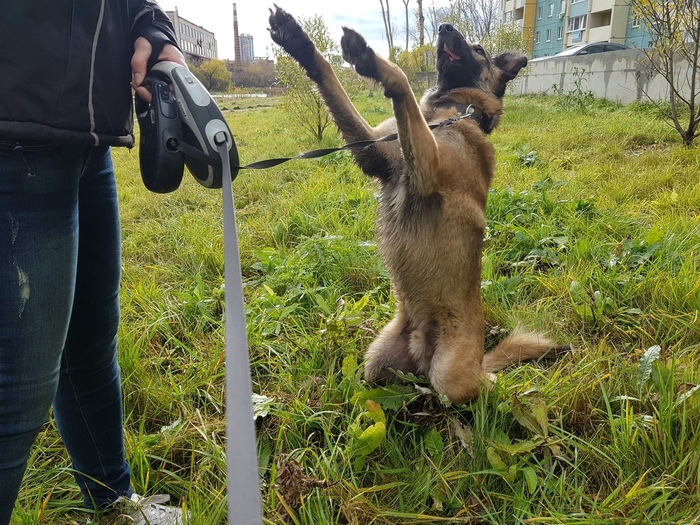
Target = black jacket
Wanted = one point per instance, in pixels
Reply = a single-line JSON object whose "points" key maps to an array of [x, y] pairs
{"points": [[65, 67]]}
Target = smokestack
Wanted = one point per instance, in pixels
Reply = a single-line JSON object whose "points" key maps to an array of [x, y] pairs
{"points": [[236, 39]]}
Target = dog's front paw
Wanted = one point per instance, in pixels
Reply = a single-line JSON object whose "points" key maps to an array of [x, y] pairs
{"points": [[359, 54], [288, 34]]}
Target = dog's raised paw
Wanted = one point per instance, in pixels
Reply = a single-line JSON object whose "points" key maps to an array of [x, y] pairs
{"points": [[353, 45], [358, 53], [279, 19], [286, 32]]}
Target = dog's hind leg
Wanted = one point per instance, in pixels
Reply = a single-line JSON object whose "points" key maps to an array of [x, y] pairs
{"points": [[390, 351], [455, 369], [418, 144]]}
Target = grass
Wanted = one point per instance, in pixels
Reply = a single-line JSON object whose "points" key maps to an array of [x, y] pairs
{"points": [[593, 236]]}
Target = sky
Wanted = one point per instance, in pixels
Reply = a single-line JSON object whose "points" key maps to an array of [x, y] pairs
{"points": [[365, 16]]}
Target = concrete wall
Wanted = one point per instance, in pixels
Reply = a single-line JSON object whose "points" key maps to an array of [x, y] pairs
{"points": [[619, 76]]}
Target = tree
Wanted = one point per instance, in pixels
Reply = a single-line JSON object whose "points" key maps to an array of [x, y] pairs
{"points": [[256, 73], [421, 23], [417, 61], [302, 102], [214, 75], [434, 17], [386, 17], [475, 19], [405, 5], [507, 37], [674, 26]]}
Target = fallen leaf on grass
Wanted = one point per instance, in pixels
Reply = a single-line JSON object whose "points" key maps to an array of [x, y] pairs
{"points": [[292, 483]]}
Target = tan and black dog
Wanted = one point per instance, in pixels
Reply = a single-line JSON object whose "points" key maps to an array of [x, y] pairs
{"points": [[433, 187]]}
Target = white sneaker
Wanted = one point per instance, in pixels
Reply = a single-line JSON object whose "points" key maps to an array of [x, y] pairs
{"points": [[151, 511], [138, 510]]}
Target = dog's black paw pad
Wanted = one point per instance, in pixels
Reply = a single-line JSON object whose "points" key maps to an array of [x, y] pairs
{"points": [[359, 54], [284, 29], [286, 32], [279, 19], [353, 45]]}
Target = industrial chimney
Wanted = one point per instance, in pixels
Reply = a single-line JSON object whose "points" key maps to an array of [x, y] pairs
{"points": [[236, 39]]}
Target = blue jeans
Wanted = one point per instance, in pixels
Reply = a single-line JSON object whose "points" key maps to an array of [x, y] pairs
{"points": [[60, 269]]}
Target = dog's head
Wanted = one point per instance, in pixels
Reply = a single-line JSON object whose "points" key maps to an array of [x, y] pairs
{"points": [[461, 64]]}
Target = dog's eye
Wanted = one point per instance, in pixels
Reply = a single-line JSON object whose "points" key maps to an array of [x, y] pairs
{"points": [[480, 51]]}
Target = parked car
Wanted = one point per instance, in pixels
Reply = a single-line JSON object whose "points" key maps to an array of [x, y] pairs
{"points": [[586, 49]]}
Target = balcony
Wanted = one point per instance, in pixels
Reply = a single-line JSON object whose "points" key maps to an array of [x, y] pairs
{"points": [[599, 34], [601, 5]]}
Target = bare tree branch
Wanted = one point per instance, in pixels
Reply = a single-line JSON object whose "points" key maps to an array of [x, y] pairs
{"points": [[405, 5], [476, 19], [421, 23], [386, 16]]}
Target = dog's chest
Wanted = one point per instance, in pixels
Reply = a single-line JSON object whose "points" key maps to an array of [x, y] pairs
{"points": [[415, 229], [402, 212]]}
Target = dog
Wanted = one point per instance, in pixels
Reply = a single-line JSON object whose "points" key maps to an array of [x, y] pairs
{"points": [[433, 189]]}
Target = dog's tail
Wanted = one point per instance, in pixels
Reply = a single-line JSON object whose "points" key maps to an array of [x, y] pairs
{"points": [[520, 346]]}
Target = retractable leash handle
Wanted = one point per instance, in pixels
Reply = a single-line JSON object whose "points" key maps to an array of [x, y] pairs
{"points": [[162, 163], [201, 121]]}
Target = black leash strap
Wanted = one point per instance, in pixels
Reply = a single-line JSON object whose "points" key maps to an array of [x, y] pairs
{"points": [[314, 154], [359, 145]]}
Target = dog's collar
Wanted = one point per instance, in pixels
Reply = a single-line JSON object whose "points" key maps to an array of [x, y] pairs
{"points": [[486, 123]]}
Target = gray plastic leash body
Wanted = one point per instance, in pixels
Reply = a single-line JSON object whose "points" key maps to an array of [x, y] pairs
{"points": [[244, 501]]}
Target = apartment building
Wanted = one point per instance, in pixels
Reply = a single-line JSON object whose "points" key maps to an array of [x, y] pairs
{"points": [[246, 43], [195, 42], [550, 26]]}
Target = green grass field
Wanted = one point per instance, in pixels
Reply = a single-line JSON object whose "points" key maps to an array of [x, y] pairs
{"points": [[593, 236]]}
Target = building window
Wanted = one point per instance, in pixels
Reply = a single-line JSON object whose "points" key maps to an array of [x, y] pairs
{"points": [[560, 33], [577, 23], [635, 21], [548, 38], [537, 37], [539, 13], [508, 17], [562, 7], [551, 10]]}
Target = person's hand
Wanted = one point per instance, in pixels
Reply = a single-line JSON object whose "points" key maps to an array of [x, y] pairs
{"points": [[142, 52]]}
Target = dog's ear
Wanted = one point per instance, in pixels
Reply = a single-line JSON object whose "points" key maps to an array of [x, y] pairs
{"points": [[510, 64]]}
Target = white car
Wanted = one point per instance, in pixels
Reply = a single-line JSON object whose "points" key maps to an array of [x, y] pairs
{"points": [[586, 49]]}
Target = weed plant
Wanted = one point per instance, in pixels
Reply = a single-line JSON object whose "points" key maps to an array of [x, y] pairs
{"points": [[593, 235]]}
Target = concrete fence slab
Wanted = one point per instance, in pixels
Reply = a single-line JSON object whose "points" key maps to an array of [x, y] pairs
{"points": [[620, 76]]}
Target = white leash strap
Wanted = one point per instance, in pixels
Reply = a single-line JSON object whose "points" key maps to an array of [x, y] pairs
{"points": [[244, 502]]}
